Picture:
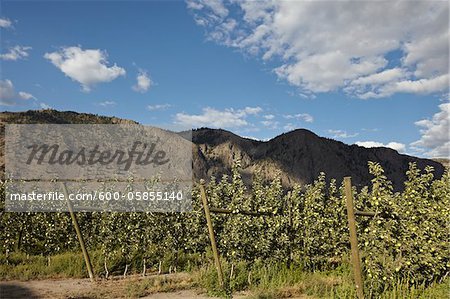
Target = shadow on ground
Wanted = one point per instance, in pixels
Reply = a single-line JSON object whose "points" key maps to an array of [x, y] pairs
{"points": [[13, 291]]}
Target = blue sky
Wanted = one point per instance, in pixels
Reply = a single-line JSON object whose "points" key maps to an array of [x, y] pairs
{"points": [[354, 72]]}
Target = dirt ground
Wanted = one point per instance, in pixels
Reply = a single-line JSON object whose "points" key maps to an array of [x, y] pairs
{"points": [[131, 287], [170, 286]]}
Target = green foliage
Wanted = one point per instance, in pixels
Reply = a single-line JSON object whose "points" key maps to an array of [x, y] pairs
{"points": [[406, 241]]}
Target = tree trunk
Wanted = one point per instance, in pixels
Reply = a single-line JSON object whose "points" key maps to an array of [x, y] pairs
{"points": [[126, 270], [231, 272], [144, 269], [106, 269]]}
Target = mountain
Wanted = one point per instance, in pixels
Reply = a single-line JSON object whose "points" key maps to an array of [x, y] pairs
{"points": [[299, 156]]}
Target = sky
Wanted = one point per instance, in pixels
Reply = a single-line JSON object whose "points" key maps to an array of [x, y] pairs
{"points": [[372, 73]]}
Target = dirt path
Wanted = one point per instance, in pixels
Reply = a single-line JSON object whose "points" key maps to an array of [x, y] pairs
{"points": [[169, 286], [166, 286]]}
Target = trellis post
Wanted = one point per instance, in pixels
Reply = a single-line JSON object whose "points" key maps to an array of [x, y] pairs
{"points": [[79, 235], [211, 233], [356, 263]]}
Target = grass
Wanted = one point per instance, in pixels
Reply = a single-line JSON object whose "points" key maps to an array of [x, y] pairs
{"points": [[158, 284], [260, 279], [278, 281], [433, 291], [22, 267]]}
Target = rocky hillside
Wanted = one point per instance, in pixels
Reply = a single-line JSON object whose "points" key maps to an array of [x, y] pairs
{"points": [[299, 156], [49, 116]]}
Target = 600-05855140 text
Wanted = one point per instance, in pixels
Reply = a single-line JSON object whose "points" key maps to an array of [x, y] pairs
{"points": [[101, 196]]}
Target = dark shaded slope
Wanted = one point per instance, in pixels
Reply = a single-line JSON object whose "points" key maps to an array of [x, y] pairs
{"points": [[301, 155]]}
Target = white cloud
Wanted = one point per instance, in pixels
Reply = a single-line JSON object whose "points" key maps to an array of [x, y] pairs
{"points": [[342, 134], [289, 127], [6, 89], [400, 147], [194, 4], [228, 118], [340, 45], [143, 82], [16, 53], [44, 106], [213, 10], [158, 107], [107, 103], [25, 95], [269, 116], [250, 110], [380, 78], [421, 86], [370, 130], [88, 67], [301, 116], [271, 124], [9, 97], [5, 23], [435, 139]]}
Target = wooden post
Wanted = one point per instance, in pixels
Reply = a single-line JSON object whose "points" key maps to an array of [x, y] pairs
{"points": [[353, 238], [289, 229], [211, 233], [79, 235]]}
